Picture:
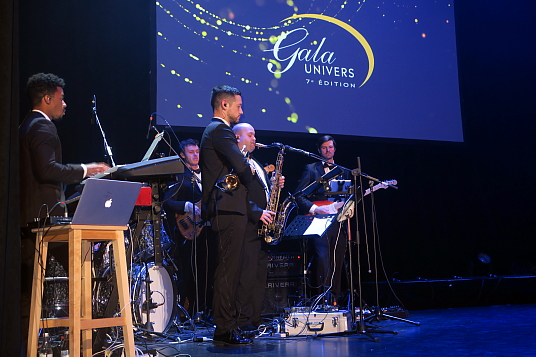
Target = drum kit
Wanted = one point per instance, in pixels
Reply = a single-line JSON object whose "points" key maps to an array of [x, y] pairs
{"points": [[152, 274], [153, 287]]}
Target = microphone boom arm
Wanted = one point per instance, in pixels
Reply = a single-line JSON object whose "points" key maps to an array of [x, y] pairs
{"points": [[107, 147]]}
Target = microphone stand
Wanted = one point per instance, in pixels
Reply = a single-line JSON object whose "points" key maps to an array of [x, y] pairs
{"points": [[361, 326], [378, 314], [107, 148], [148, 305]]}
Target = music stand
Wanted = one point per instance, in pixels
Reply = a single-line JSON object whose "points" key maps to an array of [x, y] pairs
{"points": [[324, 179], [308, 226]]}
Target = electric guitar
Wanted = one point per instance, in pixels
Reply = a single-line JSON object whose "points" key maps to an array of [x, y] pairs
{"points": [[383, 184], [187, 225]]}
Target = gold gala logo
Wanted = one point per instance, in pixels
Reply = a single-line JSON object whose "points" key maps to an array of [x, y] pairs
{"points": [[327, 56]]}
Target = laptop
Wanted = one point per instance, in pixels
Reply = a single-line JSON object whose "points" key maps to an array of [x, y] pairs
{"points": [[106, 202]]}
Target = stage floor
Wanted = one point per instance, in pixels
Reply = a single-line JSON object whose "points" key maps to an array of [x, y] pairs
{"points": [[503, 330]]}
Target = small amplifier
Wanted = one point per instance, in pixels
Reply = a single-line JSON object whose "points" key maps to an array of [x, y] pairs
{"points": [[281, 293], [317, 323], [284, 265], [49, 221]]}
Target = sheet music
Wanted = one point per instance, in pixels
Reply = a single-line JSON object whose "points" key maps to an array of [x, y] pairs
{"points": [[318, 226]]}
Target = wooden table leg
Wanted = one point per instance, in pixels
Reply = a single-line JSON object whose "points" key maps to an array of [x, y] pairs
{"points": [[87, 297], [40, 265], [123, 291], [75, 291]]}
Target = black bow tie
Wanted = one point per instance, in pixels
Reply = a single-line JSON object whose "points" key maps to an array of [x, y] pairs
{"points": [[329, 166], [197, 171]]}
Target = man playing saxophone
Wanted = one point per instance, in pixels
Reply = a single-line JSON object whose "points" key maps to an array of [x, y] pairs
{"points": [[253, 272]]}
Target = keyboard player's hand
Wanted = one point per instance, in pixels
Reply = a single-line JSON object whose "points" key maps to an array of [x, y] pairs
{"points": [[96, 168]]}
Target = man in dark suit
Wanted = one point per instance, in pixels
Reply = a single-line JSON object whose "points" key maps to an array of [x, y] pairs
{"points": [[42, 174], [331, 247], [225, 205], [193, 250], [254, 268]]}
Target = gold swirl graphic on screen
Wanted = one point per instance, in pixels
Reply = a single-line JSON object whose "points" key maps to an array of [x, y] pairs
{"points": [[216, 28], [351, 30]]}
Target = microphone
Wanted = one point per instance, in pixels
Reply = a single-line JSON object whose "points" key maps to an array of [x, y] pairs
{"points": [[263, 146], [94, 109], [152, 305], [290, 148]]}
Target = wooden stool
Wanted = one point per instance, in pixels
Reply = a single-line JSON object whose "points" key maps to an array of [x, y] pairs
{"points": [[80, 292]]}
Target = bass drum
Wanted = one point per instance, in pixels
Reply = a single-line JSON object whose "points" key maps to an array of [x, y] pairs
{"points": [[164, 296]]}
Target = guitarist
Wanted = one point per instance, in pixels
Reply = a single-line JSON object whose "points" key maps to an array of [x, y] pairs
{"points": [[329, 250], [191, 255]]}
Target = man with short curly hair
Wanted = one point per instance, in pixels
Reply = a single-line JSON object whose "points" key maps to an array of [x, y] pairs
{"points": [[42, 174]]}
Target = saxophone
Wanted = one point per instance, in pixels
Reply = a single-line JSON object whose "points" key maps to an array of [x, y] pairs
{"points": [[273, 232]]}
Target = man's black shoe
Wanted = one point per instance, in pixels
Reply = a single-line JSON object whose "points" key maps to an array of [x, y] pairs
{"points": [[231, 338], [248, 331]]}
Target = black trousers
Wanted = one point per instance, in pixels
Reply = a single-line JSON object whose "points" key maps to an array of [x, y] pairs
{"points": [[230, 230], [195, 262], [253, 275], [329, 255]]}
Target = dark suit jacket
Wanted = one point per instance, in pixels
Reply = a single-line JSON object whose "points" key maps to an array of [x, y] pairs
{"points": [[312, 173], [42, 174], [177, 194], [181, 191], [257, 196], [219, 155]]}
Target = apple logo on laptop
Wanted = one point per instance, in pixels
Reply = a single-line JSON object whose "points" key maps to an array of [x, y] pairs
{"points": [[108, 203]]}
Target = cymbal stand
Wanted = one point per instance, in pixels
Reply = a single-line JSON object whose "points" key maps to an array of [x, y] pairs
{"points": [[360, 323], [156, 212], [148, 304], [378, 313]]}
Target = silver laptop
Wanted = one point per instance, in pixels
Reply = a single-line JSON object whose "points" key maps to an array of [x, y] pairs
{"points": [[106, 202]]}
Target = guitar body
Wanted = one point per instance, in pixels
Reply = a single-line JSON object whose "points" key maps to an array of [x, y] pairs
{"points": [[187, 225], [322, 203], [383, 184]]}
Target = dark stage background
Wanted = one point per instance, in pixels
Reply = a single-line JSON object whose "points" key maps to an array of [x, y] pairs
{"points": [[456, 200]]}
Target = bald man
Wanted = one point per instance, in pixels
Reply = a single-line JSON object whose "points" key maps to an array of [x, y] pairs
{"points": [[253, 272]]}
